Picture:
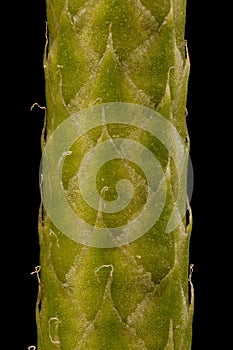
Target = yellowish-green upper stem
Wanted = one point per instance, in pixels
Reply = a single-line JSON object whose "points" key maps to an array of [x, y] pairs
{"points": [[136, 296]]}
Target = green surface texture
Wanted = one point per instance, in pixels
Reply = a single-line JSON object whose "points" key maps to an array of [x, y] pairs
{"points": [[137, 296]]}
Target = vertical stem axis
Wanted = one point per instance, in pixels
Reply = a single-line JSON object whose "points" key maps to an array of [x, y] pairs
{"points": [[139, 295]]}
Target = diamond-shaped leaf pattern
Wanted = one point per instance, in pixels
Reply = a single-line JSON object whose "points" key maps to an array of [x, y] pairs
{"points": [[133, 297]]}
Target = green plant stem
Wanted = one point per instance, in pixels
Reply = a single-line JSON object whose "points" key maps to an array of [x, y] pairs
{"points": [[135, 296]]}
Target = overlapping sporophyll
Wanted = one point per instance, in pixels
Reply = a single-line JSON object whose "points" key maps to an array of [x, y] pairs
{"points": [[57, 148]]}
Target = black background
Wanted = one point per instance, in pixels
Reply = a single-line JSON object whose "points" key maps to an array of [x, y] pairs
{"points": [[22, 42]]}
